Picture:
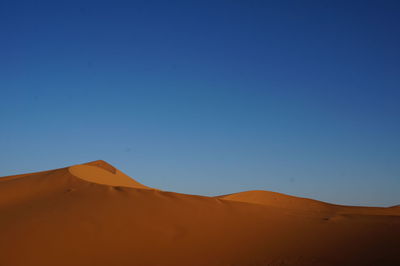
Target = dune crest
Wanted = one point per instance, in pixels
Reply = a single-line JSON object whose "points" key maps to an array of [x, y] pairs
{"points": [[104, 165], [103, 173]]}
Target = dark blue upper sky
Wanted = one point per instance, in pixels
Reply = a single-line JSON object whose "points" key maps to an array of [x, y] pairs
{"points": [[208, 97]]}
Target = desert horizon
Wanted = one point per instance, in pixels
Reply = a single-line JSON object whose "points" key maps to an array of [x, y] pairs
{"points": [[94, 214], [199, 133]]}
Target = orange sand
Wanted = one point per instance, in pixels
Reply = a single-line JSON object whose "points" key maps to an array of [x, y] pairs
{"points": [[93, 214]]}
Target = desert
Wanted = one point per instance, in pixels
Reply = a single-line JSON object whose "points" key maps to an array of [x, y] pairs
{"points": [[94, 214]]}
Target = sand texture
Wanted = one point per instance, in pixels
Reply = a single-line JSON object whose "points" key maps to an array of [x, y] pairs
{"points": [[95, 215]]}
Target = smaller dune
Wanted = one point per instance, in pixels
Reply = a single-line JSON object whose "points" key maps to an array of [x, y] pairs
{"points": [[305, 205], [279, 200]]}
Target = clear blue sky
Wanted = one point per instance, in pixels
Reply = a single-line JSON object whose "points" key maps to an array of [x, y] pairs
{"points": [[208, 97]]}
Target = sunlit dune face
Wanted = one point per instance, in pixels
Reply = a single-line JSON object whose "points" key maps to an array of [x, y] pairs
{"points": [[102, 176]]}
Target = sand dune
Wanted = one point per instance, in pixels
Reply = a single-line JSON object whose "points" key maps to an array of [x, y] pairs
{"points": [[101, 172], [303, 205], [93, 214], [279, 200]]}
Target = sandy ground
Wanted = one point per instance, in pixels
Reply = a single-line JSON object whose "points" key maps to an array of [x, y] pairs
{"points": [[93, 214]]}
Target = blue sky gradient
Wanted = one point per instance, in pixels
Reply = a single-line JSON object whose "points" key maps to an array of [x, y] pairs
{"points": [[208, 97]]}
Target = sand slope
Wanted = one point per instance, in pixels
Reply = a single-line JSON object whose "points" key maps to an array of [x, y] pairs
{"points": [[93, 214], [101, 172]]}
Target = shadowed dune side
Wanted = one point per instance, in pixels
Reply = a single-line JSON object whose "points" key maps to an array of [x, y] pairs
{"points": [[70, 217]]}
